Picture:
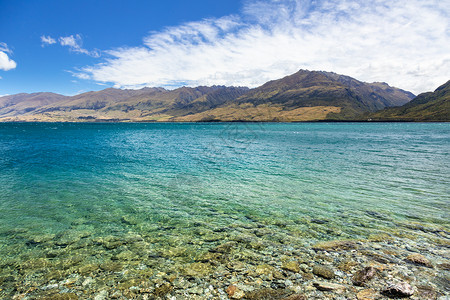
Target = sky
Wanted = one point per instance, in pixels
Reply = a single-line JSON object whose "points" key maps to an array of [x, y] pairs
{"points": [[70, 47]]}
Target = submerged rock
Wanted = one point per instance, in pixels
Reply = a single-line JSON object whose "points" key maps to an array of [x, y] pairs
{"points": [[295, 297], [129, 220], [326, 286], [401, 290], [444, 266], [264, 269], [163, 290], [323, 272], [87, 269], [65, 296], [198, 269], [364, 275], [292, 266], [347, 265], [269, 293], [368, 294], [224, 248], [334, 245], [319, 221], [111, 266], [419, 259], [425, 292], [234, 292]]}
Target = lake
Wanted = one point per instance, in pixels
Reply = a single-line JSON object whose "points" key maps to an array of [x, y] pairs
{"points": [[135, 199]]}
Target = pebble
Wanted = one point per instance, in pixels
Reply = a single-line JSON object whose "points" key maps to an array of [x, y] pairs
{"points": [[292, 266], [326, 286], [324, 272], [368, 294], [364, 275], [231, 290], [419, 259], [401, 289]]}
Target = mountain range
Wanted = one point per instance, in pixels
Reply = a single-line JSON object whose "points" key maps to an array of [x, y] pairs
{"points": [[303, 96]]}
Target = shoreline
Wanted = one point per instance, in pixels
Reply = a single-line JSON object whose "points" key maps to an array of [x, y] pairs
{"points": [[118, 121]]}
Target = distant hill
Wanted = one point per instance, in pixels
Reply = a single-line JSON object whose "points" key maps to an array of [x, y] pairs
{"points": [[431, 106], [303, 96], [20, 104], [147, 104]]}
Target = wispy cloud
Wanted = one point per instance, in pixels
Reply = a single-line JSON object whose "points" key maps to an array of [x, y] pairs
{"points": [[47, 40], [74, 42], [406, 44], [6, 63]]}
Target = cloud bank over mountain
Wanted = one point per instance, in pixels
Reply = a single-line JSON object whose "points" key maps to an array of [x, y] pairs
{"points": [[404, 43]]}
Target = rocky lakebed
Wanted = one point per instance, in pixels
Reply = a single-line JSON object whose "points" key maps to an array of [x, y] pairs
{"points": [[252, 260]]}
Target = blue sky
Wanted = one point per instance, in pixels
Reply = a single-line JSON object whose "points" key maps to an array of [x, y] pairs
{"points": [[70, 47]]}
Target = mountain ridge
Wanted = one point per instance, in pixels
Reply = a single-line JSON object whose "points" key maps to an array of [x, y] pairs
{"points": [[302, 96]]}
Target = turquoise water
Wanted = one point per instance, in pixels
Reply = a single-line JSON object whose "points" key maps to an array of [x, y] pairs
{"points": [[184, 188]]}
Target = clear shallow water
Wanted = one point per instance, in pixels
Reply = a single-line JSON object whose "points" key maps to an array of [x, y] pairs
{"points": [[186, 188]]}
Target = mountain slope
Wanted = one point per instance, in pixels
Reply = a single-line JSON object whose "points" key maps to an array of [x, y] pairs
{"points": [[303, 96], [306, 96], [431, 106]]}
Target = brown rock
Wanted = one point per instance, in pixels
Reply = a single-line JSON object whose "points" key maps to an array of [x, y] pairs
{"points": [[400, 290], [364, 275], [326, 286], [368, 294], [323, 272], [419, 259], [231, 290]]}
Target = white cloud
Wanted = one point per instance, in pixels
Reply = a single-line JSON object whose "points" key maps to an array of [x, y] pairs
{"points": [[6, 63], [71, 41], [406, 44], [47, 40], [74, 42]]}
